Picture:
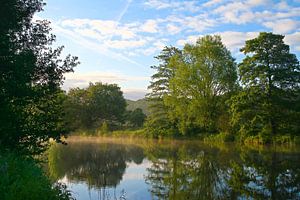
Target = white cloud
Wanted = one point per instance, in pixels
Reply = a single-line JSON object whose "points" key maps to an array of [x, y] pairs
{"points": [[282, 26], [155, 47], [242, 12], [150, 26], [91, 45], [190, 6], [190, 40], [236, 40], [232, 40], [134, 93], [107, 28], [293, 40], [173, 29], [124, 44], [282, 5], [212, 3], [82, 80], [157, 4], [196, 23], [236, 12], [258, 2]]}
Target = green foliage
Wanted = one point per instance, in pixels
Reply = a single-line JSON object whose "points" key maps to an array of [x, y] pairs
{"points": [[195, 91], [204, 75], [104, 128], [158, 121], [141, 103], [268, 103], [31, 74], [89, 108], [22, 178], [136, 118], [190, 87], [219, 138]]}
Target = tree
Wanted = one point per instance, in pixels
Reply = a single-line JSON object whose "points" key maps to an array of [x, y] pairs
{"points": [[158, 122], [75, 106], [270, 77], [204, 76], [136, 117], [89, 108], [31, 75]]}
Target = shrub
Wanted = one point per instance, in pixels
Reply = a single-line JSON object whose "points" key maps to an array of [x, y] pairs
{"points": [[22, 178]]}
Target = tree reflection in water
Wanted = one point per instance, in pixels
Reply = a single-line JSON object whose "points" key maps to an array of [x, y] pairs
{"points": [[100, 166], [185, 170]]}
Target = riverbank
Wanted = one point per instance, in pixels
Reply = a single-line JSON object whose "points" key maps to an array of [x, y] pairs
{"points": [[207, 138], [23, 178]]}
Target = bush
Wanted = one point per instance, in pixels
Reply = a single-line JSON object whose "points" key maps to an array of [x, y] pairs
{"points": [[220, 138], [22, 178]]}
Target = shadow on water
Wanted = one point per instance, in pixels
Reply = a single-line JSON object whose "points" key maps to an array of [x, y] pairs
{"points": [[185, 170]]}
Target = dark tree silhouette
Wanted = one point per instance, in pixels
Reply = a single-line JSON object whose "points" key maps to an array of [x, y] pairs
{"points": [[31, 75]]}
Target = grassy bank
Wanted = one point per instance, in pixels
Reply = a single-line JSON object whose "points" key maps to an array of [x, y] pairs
{"points": [[253, 140], [208, 138], [23, 178], [139, 133]]}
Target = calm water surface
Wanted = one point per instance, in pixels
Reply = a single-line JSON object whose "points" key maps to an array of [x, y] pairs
{"points": [[119, 169]]}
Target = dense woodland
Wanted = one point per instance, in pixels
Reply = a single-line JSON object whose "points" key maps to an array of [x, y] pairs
{"points": [[202, 90]]}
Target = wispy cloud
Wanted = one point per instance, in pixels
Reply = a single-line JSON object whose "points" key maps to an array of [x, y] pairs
{"points": [[96, 47]]}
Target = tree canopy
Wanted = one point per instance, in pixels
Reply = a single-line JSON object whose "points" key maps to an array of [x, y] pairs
{"points": [[191, 86], [270, 77], [31, 75], [204, 74], [196, 90], [89, 108]]}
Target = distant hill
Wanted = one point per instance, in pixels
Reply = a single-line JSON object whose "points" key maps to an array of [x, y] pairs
{"points": [[141, 103]]}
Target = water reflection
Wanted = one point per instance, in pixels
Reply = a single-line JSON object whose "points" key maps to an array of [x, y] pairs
{"points": [[99, 165], [183, 170]]}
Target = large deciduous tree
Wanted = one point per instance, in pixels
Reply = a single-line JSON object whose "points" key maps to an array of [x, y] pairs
{"points": [[270, 77], [31, 75], [203, 78]]}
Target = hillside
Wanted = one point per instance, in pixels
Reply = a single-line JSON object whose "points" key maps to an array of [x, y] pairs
{"points": [[141, 103]]}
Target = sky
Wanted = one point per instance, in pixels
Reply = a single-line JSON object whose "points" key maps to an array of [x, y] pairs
{"points": [[116, 40]]}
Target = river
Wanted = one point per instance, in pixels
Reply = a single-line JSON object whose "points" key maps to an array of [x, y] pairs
{"points": [[137, 169]]}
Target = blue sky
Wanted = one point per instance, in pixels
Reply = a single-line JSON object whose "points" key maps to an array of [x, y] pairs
{"points": [[116, 40]]}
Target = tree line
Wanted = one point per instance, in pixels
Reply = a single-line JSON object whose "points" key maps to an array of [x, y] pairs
{"points": [[99, 107], [202, 90]]}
